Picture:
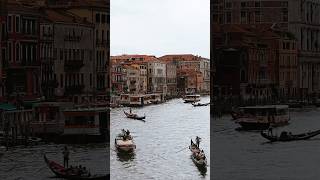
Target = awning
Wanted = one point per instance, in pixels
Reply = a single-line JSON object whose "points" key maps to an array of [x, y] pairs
{"points": [[7, 107]]}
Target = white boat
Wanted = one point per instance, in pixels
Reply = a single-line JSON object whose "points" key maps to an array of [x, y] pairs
{"points": [[124, 143], [261, 117], [192, 98]]}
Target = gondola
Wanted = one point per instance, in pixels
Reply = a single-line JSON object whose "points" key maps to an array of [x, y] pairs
{"points": [[284, 136], [62, 172], [134, 116], [200, 104], [235, 115], [202, 162]]}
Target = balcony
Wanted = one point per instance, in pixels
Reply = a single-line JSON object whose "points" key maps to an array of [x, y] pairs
{"points": [[72, 38], [33, 63], [73, 65], [74, 89], [101, 43]]}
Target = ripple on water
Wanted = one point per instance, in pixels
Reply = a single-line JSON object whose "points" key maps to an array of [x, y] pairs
{"points": [[168, 129]]}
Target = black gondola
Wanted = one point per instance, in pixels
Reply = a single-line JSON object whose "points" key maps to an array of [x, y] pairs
{"points": [[134, 116], [285, 136], [62, 172], [200, 104]]}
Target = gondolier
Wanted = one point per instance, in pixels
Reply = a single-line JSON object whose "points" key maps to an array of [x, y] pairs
{"points": [[66, 156], [198, 139]]}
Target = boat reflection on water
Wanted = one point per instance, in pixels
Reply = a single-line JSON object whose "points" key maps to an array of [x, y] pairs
{"points": [[124, 156]]}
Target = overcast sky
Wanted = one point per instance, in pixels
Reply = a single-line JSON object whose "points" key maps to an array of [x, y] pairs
{"points": [[159, 27]]}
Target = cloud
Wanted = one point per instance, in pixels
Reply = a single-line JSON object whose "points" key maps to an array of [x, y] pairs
{"points": [[160, 27]]}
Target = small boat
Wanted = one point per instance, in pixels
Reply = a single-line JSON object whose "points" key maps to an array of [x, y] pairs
{"points": [[124, 142], [285, 136], [134, 116], [34, 140], [2, 150], [191, 98], [197, 156], [200, 104], [65, 173], [235, 115]]}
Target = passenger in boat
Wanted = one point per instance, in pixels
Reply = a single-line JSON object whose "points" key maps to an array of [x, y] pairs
{"points": [[66, 157], [128, 132]]}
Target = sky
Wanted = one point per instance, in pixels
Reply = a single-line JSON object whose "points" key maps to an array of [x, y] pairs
{"points": [[160, 27]]}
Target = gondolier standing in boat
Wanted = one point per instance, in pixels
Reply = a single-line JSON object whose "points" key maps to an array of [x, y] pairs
{"points": [[130, 111], [198, 139], [66, 156], [270, 131]]}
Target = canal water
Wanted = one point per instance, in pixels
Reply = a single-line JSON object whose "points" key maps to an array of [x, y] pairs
{"points": [[162, 141], [247, 155], [27, 163]]}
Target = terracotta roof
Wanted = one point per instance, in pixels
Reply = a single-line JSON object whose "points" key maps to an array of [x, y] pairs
{"points": [[61, 16], [183, 57]]}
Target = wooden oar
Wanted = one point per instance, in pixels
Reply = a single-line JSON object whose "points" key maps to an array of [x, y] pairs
{"points": [[182, 149]]}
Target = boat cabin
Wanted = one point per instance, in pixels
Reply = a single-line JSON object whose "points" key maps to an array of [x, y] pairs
{"points": [[125, 99], [137, 100], [275, 114], [85, 121]]}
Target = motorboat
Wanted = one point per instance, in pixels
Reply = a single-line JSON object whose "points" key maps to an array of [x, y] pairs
{"points": [[124, 142]]}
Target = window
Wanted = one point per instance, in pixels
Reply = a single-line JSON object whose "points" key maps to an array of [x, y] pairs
{"points": [[243, 17], [103, 18], [243, 4], [17, 23], [257, 4], [9, 23], [102, 34], [257, 16], [285, 16], [228, 17], [61, 80], [17, 52], [90, 79], [3, 33], [10, 51], [3, 55], [97, 18], [228, 5], [82, 54]]}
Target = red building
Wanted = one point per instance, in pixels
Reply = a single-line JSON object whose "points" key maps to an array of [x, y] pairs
{"points": [[23, 65], [3, 45], [249, 60]]}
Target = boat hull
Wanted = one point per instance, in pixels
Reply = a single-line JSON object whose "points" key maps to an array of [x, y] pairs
{"points": [[297, 137], [254, 125], [61, 172]]}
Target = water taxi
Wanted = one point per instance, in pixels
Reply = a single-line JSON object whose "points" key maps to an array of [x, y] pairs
{"points": [[262, 117], [192, 98], [124, 142]]}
